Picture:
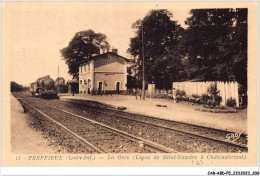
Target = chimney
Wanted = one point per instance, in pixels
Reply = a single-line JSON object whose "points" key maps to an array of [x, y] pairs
{"points": [[115, 51]]}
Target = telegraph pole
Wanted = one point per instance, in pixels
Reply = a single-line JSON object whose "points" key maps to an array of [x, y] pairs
{"points": [[143, 85]]}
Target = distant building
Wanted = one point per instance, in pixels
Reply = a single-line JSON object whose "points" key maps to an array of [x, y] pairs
{"points": [[73, 86], [105, 73]]}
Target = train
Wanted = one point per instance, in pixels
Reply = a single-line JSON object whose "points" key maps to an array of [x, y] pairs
{"points": [[44, 88]]}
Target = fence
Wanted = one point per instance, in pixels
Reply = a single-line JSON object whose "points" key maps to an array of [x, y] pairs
{"points": [[159, 93], [154, 93], [227, 89]]}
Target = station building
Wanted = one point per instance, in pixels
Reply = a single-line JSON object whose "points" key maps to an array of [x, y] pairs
{"points": [[105, 73]]}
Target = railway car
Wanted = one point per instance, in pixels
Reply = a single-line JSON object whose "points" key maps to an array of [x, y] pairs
{"points": [[44, 88], [32, 89]]}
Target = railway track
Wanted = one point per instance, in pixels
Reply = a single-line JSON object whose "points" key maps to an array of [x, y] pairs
{"points": [[98, 137], [181, 140], [190, 129]]}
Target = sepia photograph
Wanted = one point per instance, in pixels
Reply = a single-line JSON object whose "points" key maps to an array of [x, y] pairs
{"points": [[128, 82]]}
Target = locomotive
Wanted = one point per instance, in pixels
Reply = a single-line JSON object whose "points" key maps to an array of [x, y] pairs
{"points": [[43, 87]]}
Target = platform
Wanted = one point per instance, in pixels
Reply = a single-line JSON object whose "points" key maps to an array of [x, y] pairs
{"points": [[24, 139]]}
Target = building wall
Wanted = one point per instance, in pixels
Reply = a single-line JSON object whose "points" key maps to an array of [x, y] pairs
{"points": [[110, 80], [86, 77], [107, 69], [109, 63]]}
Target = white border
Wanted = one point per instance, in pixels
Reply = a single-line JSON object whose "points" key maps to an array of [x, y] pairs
{"points": [[119, 170], [123, 170]]}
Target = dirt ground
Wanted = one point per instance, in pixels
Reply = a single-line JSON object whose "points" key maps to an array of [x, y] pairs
{"points": [[181, 111], [24, 139]]}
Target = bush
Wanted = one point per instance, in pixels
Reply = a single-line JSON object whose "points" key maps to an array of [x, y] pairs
{"points": [[17, 87], [213, 91], [209, 102], [195, 96], [205, 98], [218, 100], [231, 102], [178, 92], [185, 98], [181, 93]]}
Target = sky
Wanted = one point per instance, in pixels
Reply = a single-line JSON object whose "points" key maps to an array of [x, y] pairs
{"points": [[36, 31]]}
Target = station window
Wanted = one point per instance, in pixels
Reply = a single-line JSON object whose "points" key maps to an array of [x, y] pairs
{"points": [[80, 81], [88, 67], [84, 68], [85, 81]]}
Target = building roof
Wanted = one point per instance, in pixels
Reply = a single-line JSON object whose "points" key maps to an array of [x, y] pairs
{"points": [[94, 57], [72, 81]]}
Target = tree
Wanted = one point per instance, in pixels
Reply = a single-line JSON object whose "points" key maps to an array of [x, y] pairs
{"points": [[213, 91], [83, 46], [59, 81], [161, 50], [240, 46], [17, 87], [217, 44]]}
